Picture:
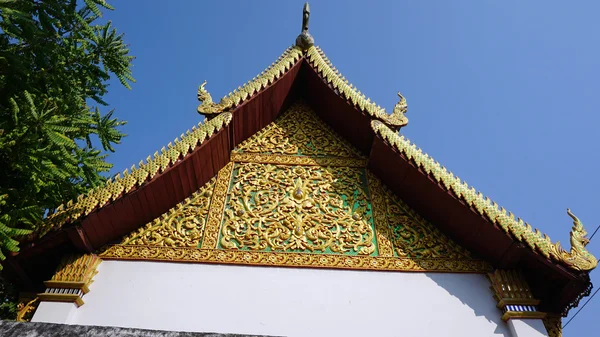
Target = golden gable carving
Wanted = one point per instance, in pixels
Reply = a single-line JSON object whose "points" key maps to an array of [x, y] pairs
{"points": [[300, 209], [181, 226], [298, 132], [296, 194]]}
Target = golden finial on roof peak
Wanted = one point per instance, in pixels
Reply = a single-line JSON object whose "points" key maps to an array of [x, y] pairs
{"points": [[305, 40]]}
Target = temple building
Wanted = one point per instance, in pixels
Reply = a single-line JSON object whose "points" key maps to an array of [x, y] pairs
{"points": [[298, 208]]}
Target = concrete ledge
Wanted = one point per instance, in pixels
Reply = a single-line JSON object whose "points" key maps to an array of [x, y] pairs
{"points": [[36, 329]]}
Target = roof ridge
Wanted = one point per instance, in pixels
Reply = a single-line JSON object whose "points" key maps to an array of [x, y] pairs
{"points": [[578, 258], [267, 77], [395, 120]]}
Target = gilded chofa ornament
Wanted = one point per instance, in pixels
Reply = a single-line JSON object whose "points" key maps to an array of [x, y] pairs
{"points": [[579, 257], [285, 62], [397, 119], [296, 194], [207, 106]]}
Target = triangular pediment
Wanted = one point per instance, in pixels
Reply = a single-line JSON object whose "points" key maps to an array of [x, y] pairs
{"points": [[297, 194]]}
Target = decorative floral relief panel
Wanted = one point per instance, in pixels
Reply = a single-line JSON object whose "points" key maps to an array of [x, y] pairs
{"points": [[296, 194]]}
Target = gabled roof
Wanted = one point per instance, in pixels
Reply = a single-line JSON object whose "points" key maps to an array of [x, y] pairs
{"points": [[143, 193]]}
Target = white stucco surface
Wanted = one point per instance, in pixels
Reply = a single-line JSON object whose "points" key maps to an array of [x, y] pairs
{"points": [[527, 328], [288, 301], [54, 312]]}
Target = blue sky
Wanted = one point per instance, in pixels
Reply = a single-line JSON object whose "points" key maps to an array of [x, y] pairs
{"points": [[504, 94]]}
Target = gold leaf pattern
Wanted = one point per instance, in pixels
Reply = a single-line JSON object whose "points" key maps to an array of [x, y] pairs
{"points": [[215, 214], [182, 226], [77, 268], [297, 202], [414, 237], [296, 208], [278, 259], [298, 132], [379, 205]]}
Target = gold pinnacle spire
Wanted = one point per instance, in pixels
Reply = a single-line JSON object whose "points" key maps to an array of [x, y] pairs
{"points": [[305, 40]]}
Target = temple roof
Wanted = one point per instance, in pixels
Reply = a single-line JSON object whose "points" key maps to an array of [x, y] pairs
{"points": [[151, 188]]}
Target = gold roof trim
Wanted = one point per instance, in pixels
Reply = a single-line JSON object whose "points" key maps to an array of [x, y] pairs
{"points": [[136, 176], [395, 121], [284, 63], [578, 258]]}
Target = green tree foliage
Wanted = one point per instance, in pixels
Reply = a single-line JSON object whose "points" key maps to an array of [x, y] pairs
{"points": [[8, 300], [55, 63]]}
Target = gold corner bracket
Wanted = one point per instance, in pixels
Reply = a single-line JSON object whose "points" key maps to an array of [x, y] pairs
{"points": [[513, 295], [72, 279]]}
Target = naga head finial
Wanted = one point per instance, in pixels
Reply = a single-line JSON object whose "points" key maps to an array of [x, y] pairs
{"points": [[305, 40], [578, 232], [203, 95], [401, 106], [578, 258]]}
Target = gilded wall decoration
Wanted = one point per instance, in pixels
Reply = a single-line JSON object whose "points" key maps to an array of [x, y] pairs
{"points": [[414, 237], [215, 214], [26, 307], [404, 233], [182, 226], [297, 208], [298, 132], [296, 194], [297, 160], [278, 259], [379, 205]]}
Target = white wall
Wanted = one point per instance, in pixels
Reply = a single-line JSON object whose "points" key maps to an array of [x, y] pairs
{"points": [[54, 312], [527, 327], [288, 301]]}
